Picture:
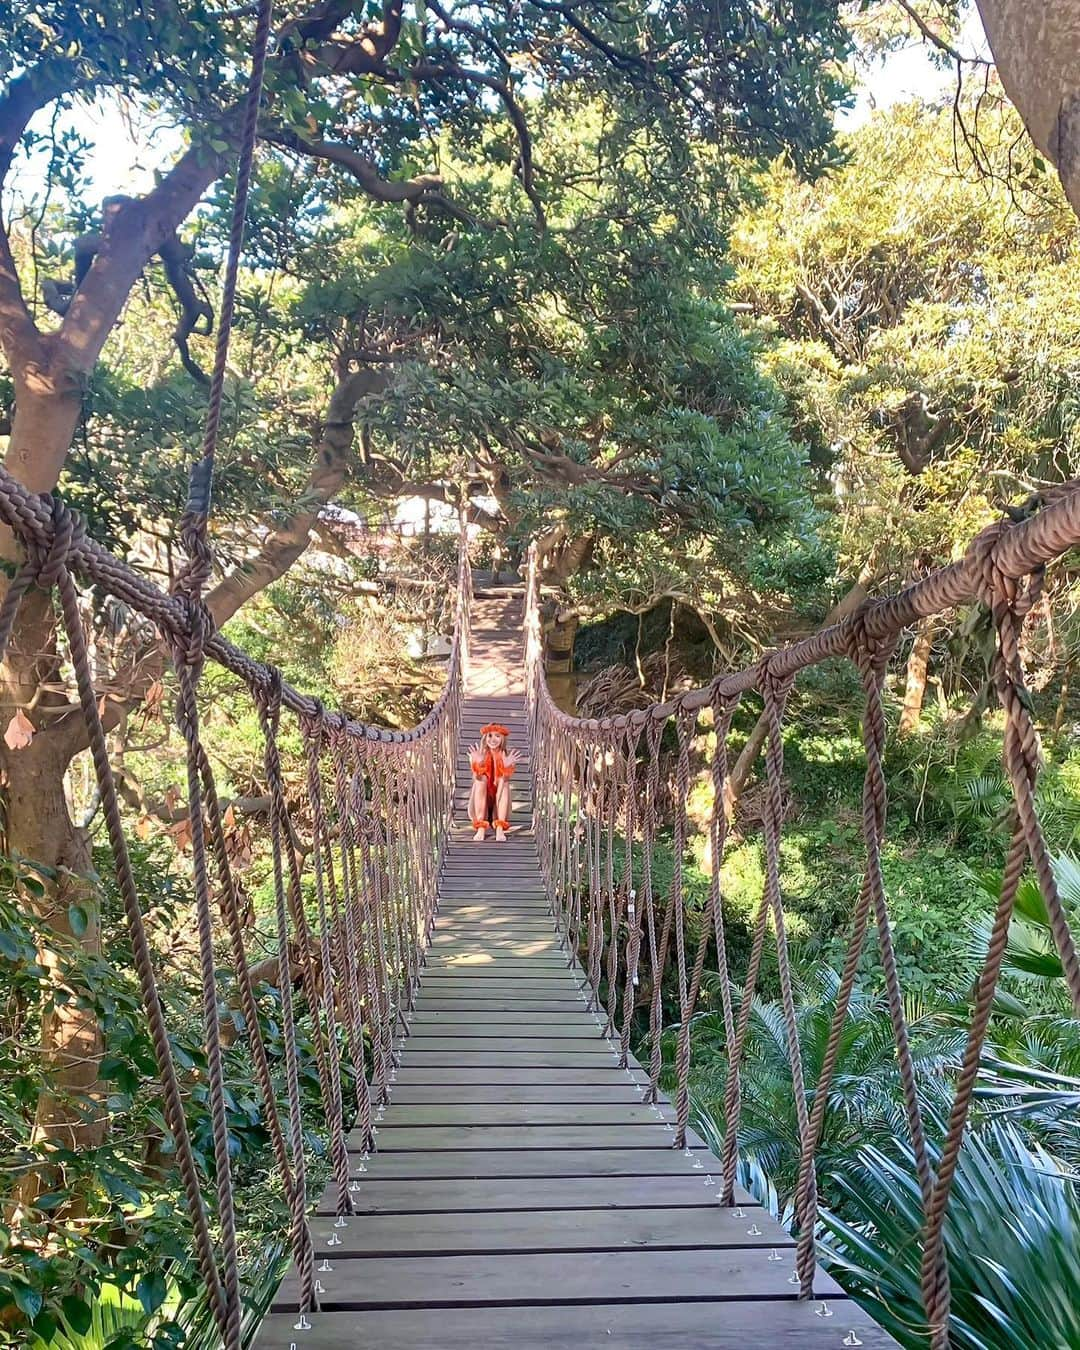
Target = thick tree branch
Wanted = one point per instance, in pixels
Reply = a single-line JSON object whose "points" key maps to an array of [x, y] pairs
{"points": [[283, 545], [133, 230], [20, 339], [423, 190]]}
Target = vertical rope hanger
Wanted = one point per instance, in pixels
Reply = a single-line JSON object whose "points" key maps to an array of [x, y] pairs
{"points": [[189, 655]]}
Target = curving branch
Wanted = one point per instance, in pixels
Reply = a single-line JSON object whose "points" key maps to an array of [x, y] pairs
{"points": [[437, 71]]}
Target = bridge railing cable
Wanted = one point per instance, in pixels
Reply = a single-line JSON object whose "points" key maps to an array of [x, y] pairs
{"points": [[598, 791], [379, 804]]}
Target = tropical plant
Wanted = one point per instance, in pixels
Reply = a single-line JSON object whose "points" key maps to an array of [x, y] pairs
{"points": [[1012, 1239], [865, 1100]]}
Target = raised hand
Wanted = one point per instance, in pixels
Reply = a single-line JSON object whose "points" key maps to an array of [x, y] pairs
{"points": [[513, 758]]}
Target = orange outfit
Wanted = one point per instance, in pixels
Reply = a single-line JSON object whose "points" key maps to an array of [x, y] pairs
{"points": [[493, 767]]}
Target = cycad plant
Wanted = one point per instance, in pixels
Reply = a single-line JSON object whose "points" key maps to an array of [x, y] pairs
{"points": [[1012, 1239], [865, 1100]]}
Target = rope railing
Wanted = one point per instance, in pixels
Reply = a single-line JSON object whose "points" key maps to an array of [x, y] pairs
{"points": [[584, 768], [380, 805]]}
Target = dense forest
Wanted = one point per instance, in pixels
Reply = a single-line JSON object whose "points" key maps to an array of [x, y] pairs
{"points": [[660, 288]]}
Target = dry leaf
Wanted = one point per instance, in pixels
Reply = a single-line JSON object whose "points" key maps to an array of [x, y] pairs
{"points": [[229, 818], [20, 731], [172, 796], [142, 827], [181, 833], [154, 696]]}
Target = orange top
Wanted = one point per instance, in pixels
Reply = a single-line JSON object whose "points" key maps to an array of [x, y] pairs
{"points": [[491, 765]]}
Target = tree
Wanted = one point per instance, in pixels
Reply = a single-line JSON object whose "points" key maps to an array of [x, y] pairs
{"points": [[924, 325], [357, 105], [1037, 50]]}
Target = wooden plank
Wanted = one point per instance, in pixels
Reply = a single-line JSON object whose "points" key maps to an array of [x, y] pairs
{"points": [[466, 1059], [468, 1195], [456, 984], [548, 1230], [580, 1277], [626, 1111], [487, 953], [483, 1027], [733, 1324], [423, 1042], [493, 924], [427, 1015], [495, 1004], [600, 1162], [462, 1094], [516, 1073], [404, 1138]]}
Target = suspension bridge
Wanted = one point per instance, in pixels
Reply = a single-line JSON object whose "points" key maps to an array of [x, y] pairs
{"points": [[507, 1172], [526, 1191]]}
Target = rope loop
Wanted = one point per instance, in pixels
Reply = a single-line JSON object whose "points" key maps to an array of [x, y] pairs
{"points": [[724, 706], [49, 554], [774, 685], [315, 725], [870, 652], [267, 695]]}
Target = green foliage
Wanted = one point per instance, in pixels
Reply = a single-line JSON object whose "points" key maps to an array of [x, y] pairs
{"points": [[59, 1273], [865, 1100], [924, 327], [1012, 1239]]}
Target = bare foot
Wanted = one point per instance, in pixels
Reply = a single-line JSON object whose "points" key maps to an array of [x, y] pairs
{"points": [[480, 835], [500, 835]]}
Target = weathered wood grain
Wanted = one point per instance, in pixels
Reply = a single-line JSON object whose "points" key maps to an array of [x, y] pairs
{"points": [[556, 1277], [469, 1195]]}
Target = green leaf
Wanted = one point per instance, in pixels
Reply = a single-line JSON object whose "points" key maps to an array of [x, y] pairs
{"points": [[77, 1313], [151, 1291], [28, 1300], [79, 920], [45, 1326]]}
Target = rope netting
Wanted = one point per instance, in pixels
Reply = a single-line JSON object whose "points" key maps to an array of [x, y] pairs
{"points": [[379, 805], [598, 793]]}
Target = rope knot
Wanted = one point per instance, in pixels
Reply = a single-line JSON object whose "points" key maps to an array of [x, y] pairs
{"points": [[724, 706], [50, 557], [869, 651], [199, 627], [314, 724], [774, 685], [267, 696], [991, 584]]}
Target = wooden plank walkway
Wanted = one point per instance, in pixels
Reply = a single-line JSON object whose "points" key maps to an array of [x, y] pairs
{"points": [[522, 1195]]}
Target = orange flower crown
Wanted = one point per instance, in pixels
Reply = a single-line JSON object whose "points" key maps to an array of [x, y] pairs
{"points": [[495, 726]]}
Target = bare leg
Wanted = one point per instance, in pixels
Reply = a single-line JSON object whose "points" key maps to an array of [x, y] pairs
{"points": [[478, 807], [502, 809]]}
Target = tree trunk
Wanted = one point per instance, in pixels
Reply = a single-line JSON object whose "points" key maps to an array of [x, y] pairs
{"points": [[559, 659], [1063, 702], [37, 823], [68, 1111], [47, 412], [1036, 47], [284, 545], [915, 686]]}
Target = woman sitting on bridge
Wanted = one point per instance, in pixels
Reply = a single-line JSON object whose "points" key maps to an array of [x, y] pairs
{"points": [[492, 766]]}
